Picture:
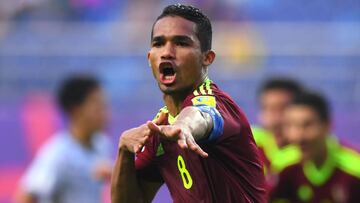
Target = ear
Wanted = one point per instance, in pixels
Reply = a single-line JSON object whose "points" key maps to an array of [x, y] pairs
{"points": [[208, 58], [148, 57]]}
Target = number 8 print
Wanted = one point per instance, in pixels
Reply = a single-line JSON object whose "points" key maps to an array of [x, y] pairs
{"points": [[185, 175]]}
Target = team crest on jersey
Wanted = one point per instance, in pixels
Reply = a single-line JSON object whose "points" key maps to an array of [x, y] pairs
{"points": [[305, 193], [160, 150], [204, 100]]}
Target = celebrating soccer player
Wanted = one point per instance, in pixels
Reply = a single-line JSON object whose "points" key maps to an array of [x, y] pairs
{"points": [[200, 144]]}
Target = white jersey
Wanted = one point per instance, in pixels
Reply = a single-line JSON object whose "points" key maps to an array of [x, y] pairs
{"points": [[63, 170]]}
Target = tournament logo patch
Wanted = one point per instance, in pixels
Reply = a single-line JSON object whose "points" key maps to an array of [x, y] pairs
{"points": [[204, 100]]}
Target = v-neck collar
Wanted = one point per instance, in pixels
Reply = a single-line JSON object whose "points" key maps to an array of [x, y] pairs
{"points": [[318, 176]]}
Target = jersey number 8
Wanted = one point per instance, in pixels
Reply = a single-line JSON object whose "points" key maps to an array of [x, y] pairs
{"points": [[185, 175]]}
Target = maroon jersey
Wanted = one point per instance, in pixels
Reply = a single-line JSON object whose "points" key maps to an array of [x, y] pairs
{"points": [[231, 173], [337, 181]]}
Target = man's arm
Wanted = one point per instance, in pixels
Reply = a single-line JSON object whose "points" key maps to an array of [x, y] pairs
{"points": [[125, 185], [42, 179], [192, 124], [197, 122]]}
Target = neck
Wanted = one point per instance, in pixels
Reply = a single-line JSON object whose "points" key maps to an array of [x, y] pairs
{"points": [[319, 155], [175, 101], [81, 134]]}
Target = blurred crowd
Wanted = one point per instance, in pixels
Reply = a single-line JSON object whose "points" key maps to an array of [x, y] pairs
{"points": [[236, 10], [303, 136]]}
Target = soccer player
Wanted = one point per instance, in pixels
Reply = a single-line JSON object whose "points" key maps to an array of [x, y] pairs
{"points": [[328, 172], [73, 165], [200, 144], [273, 97]]}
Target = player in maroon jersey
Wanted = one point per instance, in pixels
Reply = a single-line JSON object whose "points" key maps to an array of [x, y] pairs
{"points": [[200, 144], [273, 96], [329, 172]]}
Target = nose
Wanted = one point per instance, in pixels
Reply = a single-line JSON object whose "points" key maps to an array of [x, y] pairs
{"points": [[168, 51], [292, 133], [298, 135]]}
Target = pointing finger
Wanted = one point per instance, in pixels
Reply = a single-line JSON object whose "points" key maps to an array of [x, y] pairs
{"points": [[196, 148], [182, 144]]}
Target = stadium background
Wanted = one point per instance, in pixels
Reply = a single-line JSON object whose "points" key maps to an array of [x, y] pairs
{"points": [[43, 41]]}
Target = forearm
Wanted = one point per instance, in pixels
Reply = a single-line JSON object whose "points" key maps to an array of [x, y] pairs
{"points": [[125, 186], [200, 124]]}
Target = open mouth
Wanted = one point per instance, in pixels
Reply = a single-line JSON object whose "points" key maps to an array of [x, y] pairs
{"points": [[167, 73]]}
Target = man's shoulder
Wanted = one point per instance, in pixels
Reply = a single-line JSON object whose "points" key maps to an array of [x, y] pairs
{"points": [[348, 160], [50, 155], [208, 94], [262, 136], [55, 144]]}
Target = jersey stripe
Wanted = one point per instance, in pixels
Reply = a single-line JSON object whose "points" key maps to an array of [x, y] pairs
{"points": [[207, 85], [196, 93], [202, 91]]}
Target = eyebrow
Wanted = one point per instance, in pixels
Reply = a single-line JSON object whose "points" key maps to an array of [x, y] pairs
{"points": [[174, 38]]}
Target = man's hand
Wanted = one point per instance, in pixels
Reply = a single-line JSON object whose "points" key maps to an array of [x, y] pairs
{"points": [[134, 139], [102, 170], [180, 133]]}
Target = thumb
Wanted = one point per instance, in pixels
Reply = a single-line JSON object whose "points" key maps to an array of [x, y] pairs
{"points": [[160, 118], [153, 127]]}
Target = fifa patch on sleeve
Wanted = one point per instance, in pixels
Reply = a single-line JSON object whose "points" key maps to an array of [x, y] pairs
{"points": [[218, 121], [204, 100]]}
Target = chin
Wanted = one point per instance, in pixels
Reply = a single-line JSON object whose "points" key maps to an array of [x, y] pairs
{"points": [[167, 89], [174, 89]]}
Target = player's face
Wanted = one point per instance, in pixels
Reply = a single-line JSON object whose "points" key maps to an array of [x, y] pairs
{"points": [[272, 105], [175, 56], [303, 126], [92, 111]]}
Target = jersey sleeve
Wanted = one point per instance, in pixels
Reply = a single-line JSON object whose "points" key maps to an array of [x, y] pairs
{"points": [[224, 112], [145, 163], [43, 177], [218, 121]]}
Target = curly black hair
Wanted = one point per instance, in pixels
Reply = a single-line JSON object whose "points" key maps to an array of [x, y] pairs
{"points": [[193, 14]]}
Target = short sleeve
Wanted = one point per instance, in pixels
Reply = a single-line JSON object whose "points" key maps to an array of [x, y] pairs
{"points": [[227, 119], [208, 104], [218, 121], [43, 176]]}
